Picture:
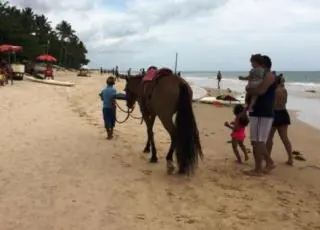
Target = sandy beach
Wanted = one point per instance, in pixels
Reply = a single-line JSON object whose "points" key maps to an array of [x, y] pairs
{"points": [[58, 171]]}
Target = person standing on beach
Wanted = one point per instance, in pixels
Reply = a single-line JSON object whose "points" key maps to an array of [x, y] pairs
{"points": [[116, 73], [107, 96], [281, 120], [261, 119], [219, 78]]}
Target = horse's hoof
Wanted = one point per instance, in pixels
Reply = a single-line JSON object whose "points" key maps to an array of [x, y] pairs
{"points": [[146, 151], [153, 160]]}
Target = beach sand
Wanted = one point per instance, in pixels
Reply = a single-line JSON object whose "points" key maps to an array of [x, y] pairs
{"points": [[58, 171]]}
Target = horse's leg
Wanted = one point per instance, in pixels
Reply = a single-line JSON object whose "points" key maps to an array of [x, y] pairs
{"points": [[147, 121], [154, 158], [147, 147], [171, 129]]}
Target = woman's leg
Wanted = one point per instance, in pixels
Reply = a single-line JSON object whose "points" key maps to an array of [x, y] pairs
{"points": [[270, 139], [283, 133]]}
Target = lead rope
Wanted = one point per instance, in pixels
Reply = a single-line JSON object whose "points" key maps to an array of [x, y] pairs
{"points": [[129, 114]]}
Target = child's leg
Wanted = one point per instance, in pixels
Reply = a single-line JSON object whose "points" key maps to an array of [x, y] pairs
{"points": [[244, 150], [235, 150]]}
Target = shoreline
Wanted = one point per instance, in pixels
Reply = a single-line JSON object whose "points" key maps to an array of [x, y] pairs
{"points": [[303, 104]]}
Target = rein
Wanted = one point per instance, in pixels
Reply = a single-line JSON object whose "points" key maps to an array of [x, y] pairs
{"points": [[129, 114]]}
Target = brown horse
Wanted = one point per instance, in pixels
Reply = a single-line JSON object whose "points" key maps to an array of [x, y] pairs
{"points": [[165, 96]]}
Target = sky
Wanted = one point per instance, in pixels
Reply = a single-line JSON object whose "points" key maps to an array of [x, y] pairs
{"points": [[207, 34]]}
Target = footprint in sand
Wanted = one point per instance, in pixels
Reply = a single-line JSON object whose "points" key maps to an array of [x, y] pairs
{"points": [[185, 218], [140, 217], [146, 172]]}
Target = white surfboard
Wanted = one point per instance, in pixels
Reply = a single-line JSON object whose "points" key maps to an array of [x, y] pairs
{"points": [[198, 92], [211, 100], [50, 82]]}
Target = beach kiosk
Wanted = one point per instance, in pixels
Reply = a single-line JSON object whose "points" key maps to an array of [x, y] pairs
{"points": [[84, 71]]}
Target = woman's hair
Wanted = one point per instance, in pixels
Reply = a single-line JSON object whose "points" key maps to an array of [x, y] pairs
{"points": [[238, 109], [257, 58], [267, 61], [280, 79], [110, 81]]}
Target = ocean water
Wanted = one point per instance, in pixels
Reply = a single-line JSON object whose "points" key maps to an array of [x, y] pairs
{"points": [[297, 83]]}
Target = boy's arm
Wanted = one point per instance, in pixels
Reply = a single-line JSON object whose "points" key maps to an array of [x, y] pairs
{"points": [[100, 95]]}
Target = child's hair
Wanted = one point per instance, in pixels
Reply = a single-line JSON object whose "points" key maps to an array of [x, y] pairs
{"points": [[110, 81], [238, 109], [243, 118]]}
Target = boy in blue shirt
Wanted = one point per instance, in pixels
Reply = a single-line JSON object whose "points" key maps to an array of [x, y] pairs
{"points": [[108, 95]]}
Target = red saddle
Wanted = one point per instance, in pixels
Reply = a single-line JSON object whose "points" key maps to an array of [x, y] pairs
{"points": [[153, 73]]}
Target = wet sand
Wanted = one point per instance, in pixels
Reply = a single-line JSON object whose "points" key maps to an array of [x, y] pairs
{"points": [[58, 171]]}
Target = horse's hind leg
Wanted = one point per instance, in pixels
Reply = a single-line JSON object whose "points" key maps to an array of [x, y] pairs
{"points": [[169, 157], [171, 128], [154, 158], [147, 148]]}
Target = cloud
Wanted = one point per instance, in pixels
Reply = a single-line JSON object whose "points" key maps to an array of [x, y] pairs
{"points": [[208, 34]]}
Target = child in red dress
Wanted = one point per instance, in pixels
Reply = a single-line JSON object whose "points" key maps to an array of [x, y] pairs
{"points": [[238, 127]]}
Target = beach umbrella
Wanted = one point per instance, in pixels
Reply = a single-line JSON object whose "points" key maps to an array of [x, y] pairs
{"points": [[10, 48], [46, 58], [6, 48]]}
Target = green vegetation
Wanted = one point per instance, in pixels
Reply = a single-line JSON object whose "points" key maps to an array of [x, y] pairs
{"points": [[35, 34]]}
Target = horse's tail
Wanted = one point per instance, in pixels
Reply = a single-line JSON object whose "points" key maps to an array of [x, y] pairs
{"points": [[188, 147]]}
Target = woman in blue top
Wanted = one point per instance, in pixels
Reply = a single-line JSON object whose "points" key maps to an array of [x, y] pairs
{"points": [[108, 95], [261, 119]]}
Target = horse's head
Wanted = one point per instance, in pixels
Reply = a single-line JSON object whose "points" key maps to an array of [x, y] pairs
{"points": [[132, 90]]}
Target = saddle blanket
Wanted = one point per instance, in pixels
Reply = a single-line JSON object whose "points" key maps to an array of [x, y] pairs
{"points": [[153, 73], [150, 75]]}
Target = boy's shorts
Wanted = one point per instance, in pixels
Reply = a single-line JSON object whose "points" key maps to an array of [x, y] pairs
{"points": [[109, 117]]}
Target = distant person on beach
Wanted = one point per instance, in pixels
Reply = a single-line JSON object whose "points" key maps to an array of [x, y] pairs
{"points": [[281, 120], [107, 96], [219, 78], [129, 72], [238, 135], [143, 72], [116, 73], [261, 119], [101, 71]]}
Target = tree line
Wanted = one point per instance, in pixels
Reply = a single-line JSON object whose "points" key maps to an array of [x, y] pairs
{"points": [[36, 35]]}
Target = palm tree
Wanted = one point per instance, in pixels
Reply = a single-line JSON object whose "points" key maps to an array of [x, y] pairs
{"points": [[43, 30], [32, 31], [27, 20], [66, 32]]}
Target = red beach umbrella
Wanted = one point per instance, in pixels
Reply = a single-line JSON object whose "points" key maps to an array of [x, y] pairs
{"points": [[46, 58], [10, 48]]}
